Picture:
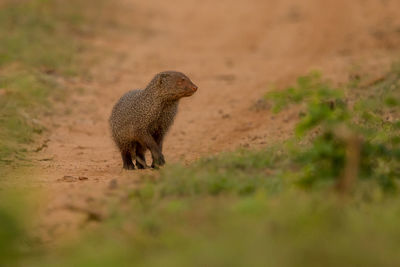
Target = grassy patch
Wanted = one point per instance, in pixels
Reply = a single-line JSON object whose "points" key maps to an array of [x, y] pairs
{"points": [[345, 134], [40, 41]]}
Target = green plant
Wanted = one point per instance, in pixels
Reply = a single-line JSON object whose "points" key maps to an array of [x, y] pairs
{"points": [[346, 138]]}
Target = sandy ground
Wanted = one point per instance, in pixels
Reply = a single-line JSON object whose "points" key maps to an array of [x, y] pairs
{"points": [[235, 51]]}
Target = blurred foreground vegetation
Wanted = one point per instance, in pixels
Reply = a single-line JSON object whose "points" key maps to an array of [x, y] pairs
{"points": [[326, 197]]}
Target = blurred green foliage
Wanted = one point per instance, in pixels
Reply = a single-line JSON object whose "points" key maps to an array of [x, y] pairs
{"points": [[9, 235], [336, 119], [288, 229], [14, 240]]}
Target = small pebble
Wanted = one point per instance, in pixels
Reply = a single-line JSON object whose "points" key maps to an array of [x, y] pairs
{"points": [[113, 184], [68, 178]]}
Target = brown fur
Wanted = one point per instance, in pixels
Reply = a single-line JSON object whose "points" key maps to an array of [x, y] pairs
{"points": [[141, 118]]}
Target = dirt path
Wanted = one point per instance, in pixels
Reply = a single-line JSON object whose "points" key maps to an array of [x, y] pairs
{"points": [[234, 51]]}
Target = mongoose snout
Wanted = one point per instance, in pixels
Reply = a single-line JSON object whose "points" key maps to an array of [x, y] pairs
{"points": [[141, 118], [189, 87]]}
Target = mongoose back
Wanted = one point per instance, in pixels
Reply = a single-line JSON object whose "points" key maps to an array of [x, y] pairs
{"points": [[141, 118]]}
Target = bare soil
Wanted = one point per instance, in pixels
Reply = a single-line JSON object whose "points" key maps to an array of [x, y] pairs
{"points": [[235, 51]]}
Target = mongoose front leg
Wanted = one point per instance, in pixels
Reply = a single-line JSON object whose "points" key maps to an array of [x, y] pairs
{"points": [[127, 160], [150, 143], [140, 157]]}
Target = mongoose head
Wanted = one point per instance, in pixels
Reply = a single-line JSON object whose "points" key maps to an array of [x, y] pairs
{"points": [[174, 85]]}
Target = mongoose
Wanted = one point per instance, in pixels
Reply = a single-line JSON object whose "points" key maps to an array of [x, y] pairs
{"points": [[141, 118]]}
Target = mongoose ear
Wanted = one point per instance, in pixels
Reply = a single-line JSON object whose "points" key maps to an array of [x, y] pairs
{"points": [[162, 78]]}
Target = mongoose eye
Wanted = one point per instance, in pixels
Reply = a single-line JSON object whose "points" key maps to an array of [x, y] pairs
{"points": [[181, 81]]}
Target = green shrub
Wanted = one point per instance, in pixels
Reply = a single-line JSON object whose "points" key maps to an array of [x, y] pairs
{"points": [[347, 137]]}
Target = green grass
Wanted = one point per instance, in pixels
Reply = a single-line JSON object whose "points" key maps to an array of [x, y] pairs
{"points": [[278, 206], [40, 43], [290, 229], [41, 34]]}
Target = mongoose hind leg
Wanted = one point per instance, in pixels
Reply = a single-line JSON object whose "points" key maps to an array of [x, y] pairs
{"points": [[127, 160], [158, 162], [140, 157], [159, 137]]}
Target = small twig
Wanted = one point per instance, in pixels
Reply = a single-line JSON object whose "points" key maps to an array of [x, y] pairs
{"points": [[45, 159], [351, 169], [91, 215], [373, 82], [7, 161], [43, 146]]}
